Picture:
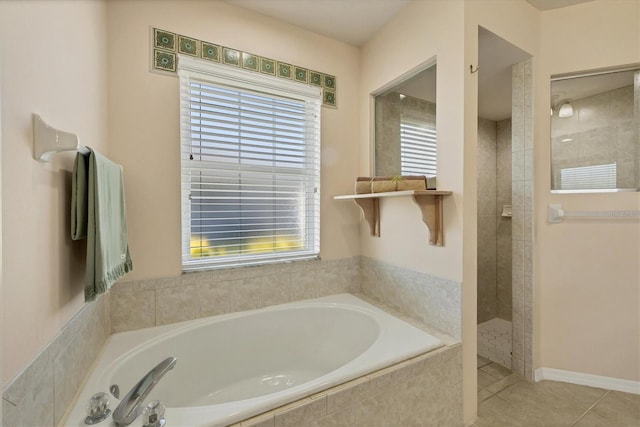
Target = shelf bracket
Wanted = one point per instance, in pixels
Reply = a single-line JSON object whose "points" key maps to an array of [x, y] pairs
{"points": [[431, 208], [371, 210], [430, 203]]}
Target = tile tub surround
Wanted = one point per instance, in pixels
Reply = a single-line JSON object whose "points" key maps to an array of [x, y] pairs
{"points": [[433, 300], [425, 390], [144, 303], [40, 395]]}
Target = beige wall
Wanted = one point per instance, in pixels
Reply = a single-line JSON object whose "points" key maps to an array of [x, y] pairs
{"points": [[448, 30], [144, 119], [53, 64], [587, 307], [418, 34], [586, 272], [1, 320], [518, 23]]}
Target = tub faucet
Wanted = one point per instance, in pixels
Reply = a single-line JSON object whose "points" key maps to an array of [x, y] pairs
{"points": [[132, 404]]}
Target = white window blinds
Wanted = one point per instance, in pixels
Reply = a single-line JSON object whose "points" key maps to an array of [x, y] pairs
{"points": [[417, 148], [250, 167], [596, 177]]}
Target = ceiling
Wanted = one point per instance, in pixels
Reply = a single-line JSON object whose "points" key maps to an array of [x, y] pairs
{"points": [[350, 21], [422, 86], [356, 21], [577, 88], [495, 58], [554, 4]]}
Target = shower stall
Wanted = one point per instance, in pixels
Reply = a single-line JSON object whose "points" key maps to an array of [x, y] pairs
{"points": [[494, 240], [505, 204]]}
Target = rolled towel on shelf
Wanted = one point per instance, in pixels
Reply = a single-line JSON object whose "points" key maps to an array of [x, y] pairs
{"points": [[363, 184], [383, 184], [411, 182]]}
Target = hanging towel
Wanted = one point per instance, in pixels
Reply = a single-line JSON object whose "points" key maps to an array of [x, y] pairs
{"points": [[98, 213], [79, 203]]}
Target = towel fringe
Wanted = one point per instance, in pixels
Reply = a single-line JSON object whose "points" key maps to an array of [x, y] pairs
{"points": [[102, 286]]}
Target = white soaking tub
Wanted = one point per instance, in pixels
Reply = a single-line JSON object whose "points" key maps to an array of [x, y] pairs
{"points": [[235, 366]]}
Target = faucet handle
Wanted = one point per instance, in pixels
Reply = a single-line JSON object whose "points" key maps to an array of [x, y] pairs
{"points": [[154, 414], [98, 408]]}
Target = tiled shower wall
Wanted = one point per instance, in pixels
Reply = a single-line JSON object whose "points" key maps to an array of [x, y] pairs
{"points": [[487, 147], [494, 230], [522, 221], [503, 223], [636, 118]]}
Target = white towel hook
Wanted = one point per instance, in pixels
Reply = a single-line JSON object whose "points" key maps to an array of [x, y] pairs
{"points": [[48, 141]]}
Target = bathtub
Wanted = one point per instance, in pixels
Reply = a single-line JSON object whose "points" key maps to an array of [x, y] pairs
{"points": [[234, 366]]}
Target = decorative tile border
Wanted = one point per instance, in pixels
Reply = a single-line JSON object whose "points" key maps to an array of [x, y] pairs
{"points": [[165, 61], [166, 46]]}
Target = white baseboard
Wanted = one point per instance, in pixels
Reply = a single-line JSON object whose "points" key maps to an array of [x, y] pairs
{"points": [[607, 383]]}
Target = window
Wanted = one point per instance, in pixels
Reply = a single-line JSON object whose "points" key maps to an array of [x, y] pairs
{"points": [[594, 117], [417, 148], [250, 167]]}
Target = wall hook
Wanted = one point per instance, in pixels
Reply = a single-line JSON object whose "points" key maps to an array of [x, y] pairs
{"points": [[472, 70]]}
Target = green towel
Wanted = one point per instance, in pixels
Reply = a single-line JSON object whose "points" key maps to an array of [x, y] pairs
{"points": [[98, 213]]}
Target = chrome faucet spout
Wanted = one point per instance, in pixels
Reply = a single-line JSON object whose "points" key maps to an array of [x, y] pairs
{"points": [[132, 404]]}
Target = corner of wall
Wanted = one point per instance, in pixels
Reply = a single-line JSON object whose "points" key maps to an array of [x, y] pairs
{"points": [[42, 392]]}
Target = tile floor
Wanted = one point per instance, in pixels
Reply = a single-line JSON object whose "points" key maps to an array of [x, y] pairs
{"points": [[506, 399]]}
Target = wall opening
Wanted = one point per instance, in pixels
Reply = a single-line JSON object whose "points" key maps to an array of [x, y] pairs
{"points": [[504, 183]]}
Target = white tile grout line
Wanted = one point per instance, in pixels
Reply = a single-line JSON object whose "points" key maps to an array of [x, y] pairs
{"points": [[591, 407]]}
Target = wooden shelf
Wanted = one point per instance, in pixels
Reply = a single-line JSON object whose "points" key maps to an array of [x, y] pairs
{"points": [[429, 202]]}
